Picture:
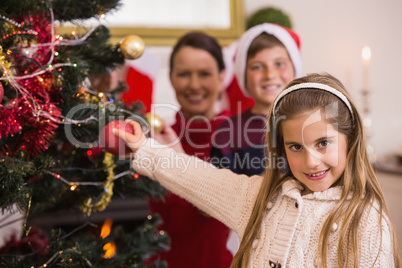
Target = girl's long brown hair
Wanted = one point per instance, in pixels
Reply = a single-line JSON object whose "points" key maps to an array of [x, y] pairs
{"points": [[358, 177]]}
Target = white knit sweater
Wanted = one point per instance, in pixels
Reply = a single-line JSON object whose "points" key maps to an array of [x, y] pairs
{"points": [[292, 222]]}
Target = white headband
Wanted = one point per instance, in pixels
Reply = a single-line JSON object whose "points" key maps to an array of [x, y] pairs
{"points": [[314, 86]]}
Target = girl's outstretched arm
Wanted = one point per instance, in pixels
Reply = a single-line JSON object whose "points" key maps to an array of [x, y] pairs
{"points": [[222, 194]]}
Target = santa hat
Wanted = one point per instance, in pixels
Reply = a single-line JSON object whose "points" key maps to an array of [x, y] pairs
{"points": [[286, 36]]}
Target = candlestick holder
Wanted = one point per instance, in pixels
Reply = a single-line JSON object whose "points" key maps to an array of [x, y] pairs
{"points": [[368, 123]]}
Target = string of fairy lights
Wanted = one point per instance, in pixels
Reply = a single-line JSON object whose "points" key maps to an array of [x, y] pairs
{"points": [[74, 184]]}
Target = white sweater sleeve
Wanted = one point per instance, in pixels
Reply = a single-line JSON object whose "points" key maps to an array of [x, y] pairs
{"points": [[222, 194]]}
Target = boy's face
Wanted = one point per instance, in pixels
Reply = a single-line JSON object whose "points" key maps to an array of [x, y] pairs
{"points": [[315, 150], [267, 73]]}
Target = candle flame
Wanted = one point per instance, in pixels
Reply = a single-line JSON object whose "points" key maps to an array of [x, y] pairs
{"points": [[109, 248], [366, 53]]}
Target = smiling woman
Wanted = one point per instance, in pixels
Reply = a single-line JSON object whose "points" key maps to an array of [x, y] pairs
{"points": [[194, 71]]}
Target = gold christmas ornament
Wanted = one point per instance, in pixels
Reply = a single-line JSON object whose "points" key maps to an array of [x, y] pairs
{"points": [[155, 122], [132, 47]]}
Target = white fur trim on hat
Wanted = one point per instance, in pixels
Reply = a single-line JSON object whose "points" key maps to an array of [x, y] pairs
{"points": [[245, 41]]}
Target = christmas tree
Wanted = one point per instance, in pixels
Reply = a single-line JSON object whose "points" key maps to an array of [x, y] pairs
{"points": [[56, 150]]}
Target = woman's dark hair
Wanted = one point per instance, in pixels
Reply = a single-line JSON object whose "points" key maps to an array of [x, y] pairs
{"points": [[199, 40]]}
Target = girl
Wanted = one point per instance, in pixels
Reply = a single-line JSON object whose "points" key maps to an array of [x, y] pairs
{"points": [[267, 59], [327, 210], [197, 72]]}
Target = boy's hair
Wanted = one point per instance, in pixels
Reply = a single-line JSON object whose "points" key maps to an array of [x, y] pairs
{"points": [[358, 177], [202, 41], [262, 42]]}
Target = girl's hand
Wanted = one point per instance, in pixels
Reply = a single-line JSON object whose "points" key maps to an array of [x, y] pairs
{"points": [[134, 141], [169, 138]]}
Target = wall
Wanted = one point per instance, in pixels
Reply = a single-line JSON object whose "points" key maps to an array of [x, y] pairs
{"points": [[333, 34]]}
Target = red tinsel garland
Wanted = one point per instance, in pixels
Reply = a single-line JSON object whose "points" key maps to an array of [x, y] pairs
{"points": [[30, 135], [28, 122]]}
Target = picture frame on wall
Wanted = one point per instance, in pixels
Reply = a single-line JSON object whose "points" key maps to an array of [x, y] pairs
{"points": [[162, 22]]}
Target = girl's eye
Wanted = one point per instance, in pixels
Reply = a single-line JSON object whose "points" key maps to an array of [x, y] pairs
{"points": [[295, 148], [323, 144]]}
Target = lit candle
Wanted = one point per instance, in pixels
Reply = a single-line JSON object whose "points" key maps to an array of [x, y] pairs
{"points": [[366, 55]]}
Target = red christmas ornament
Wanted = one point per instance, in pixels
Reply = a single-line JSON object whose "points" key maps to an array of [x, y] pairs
{"points": [[112, 143]]}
